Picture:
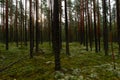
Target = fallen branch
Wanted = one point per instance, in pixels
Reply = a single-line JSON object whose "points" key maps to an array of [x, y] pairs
{"points": [[10, 65]]}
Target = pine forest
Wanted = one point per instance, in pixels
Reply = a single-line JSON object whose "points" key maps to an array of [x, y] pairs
{"points": [[59, 39]]}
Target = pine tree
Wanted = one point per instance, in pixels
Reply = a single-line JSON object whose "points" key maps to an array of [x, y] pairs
{"points": [[31, 31], [56, 42], [105, 28], [7, 37], [66, 30], [118, 22]]}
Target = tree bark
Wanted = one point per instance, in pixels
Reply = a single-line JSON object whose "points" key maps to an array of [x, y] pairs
{"points": [[105, 28], [31, 31], [56, 42], [66, 30], [37, 27], [95, 28], [7, 37], [118, 22]]}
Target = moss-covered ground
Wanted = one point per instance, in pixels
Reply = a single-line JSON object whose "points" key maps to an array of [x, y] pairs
{"points": [[80, 65]]}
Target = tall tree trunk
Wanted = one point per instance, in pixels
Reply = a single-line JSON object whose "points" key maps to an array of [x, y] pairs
{"points": [[51, 17], [21, 24], [25, 23], [81, 28], [105, 28], [118, 22], [7, 37], [111, 35], [95, 28], [98, 25], [56, 42], [66, 30], [3, 26], [37, 26], [87, 24], [31, 31], [49, 26], [16, 24], [41, 27], [60, 18], [90, 27], [11, 24]]}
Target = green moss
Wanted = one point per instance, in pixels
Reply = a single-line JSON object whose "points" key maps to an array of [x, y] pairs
{"points": [[82, 64]]}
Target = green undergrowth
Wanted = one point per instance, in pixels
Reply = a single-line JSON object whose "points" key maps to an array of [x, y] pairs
{"points": [[11, 55], [80, 65]]}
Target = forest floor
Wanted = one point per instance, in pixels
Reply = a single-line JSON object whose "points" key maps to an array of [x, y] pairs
{"points": [[81, 65]]}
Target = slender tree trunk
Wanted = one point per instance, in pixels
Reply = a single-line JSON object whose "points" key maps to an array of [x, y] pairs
{"points": [[60, 18], [111, 36], [66, 30], [49, 27], [41, 29], [11, 24], [91, 29], [16, 24], [21, 24], [95, 28], [98, 24], [25, 23], [7, 37], [83, 23], [86, 12], [33, 21], [3, 27], [51, 18], [88, 19], [82, 30], [31, 31], [37, 27]]}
